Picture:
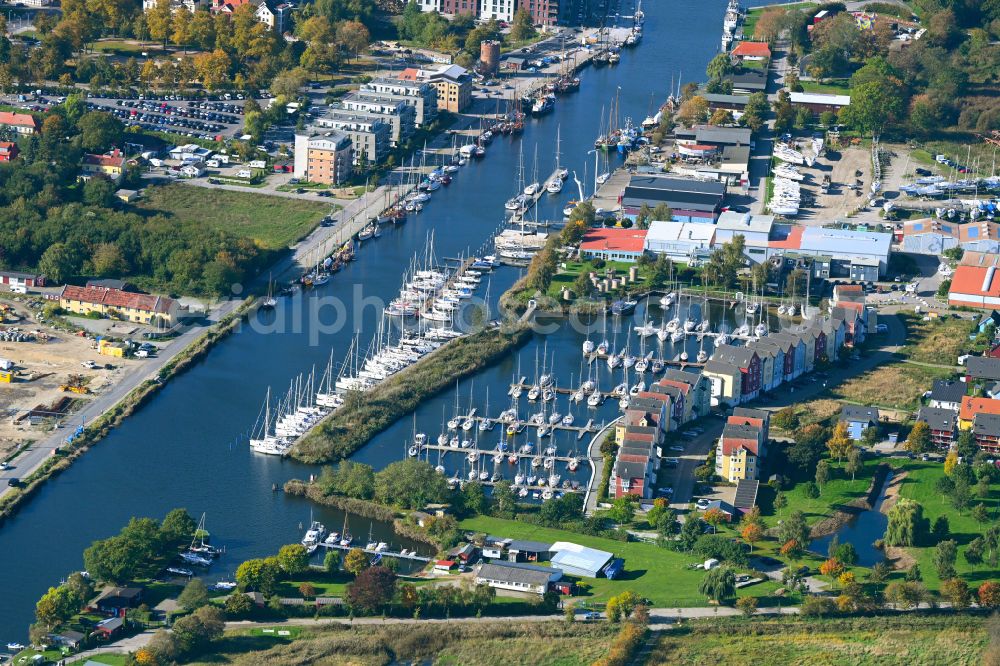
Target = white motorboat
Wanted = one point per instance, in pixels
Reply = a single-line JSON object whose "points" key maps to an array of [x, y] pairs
{"points": [[588, 346], [567, 420], [595, 399]]}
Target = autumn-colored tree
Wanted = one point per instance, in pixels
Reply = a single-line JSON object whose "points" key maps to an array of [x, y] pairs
{"points": [[747, 605], [950, 462], [956, 591], [356, 561], [846, 579], [769, 24], [752, 533], [373, 589], [791, 549], [145, 657], [721, 117], [832, 568], [840, 443], [989, 594], [693, 111], [919, 439], [353, 37], [714, 517], [307, 590]]}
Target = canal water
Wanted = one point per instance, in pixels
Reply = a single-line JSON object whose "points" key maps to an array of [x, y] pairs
{"points": [[185, 447], [862, 530]]}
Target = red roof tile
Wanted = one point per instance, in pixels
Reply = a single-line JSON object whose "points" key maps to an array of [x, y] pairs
{"points": [[624, 240], [792, 242], [117, 298], [969, 280], [972, 406], [18, 119], [752, 49]]}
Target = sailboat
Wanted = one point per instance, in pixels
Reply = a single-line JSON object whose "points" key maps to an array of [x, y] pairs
{"points": [[345, 535], [269, 301], [555, 185]]}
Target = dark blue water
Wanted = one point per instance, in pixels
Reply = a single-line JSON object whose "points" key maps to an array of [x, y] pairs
{"points": [[862, 531], [183, 450]]}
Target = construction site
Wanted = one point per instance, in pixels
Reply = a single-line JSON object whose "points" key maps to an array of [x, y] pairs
{"points": [[45, 373]]}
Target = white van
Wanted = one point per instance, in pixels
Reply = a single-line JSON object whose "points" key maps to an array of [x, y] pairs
{"points": [[19, 289]]}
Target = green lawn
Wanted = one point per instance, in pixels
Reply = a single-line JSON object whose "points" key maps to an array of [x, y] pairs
{"points": [[919, 486], [660, 574], [272, 222], [121, 46], [327, 585], [837, 492], [567, 276], [839, 87]]}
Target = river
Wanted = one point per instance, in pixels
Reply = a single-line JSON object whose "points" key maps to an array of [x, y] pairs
{"points": [[182, 449]]}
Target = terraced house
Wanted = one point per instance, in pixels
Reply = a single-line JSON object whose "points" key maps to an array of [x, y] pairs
{"points": [[118, 304]]}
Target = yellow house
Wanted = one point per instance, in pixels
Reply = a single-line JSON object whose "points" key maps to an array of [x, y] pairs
{"points": [[112, 166], [739, 449], [110, 302]]}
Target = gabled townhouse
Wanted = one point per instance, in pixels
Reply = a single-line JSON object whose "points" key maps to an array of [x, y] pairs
{"points": [[772, 356], [982, 369], [809, 337], [677, 393], [986, 430], [947, 394], [795, 350], [698, 400], [638, 460], [854, 322], [858, 419], [741, 446], [972, 406], [836, 333], [658, 407], [726, 381], [942, 422], [748, 362]]}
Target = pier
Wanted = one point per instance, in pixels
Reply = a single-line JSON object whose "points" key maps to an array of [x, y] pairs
{"points": [[486, 454], [371, 551]]}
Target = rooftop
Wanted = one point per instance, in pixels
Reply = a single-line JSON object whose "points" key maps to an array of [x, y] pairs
{"points": [[623, 240], [856, 413], [579, 557], [845, 241], [819, 98], [983, 367], [938, 418], [745, 222], [515, 572], [667, 230], [752, 50], [976, 281], [987, 425], [117, 299], [948, 391], [972, 406]]}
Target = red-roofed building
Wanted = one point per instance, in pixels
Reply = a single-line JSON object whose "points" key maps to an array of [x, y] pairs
{"points": [[8, 151], [975, 286], [751, 51], [115, 303], [971, 406], [741, 445], [112, 166], [21, 123], [614, 244]]}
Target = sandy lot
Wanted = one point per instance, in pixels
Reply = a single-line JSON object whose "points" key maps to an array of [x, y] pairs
{"points": [[41, 368], [841, 165]]}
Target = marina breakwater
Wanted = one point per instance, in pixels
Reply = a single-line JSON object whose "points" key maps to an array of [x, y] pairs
{"points": [[364, 415]]}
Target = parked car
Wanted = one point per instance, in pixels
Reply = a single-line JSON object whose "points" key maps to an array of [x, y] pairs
{"points": [[702, 503], [592, 615]]}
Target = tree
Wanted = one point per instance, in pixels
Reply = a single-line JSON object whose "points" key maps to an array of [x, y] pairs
{"points": [[816, 606], [307, 590], [158, 20], [980, 514], [792, 549], [950, 462], [293, 559], [623, 509], [238, 605], [693, 111], [840, 443], [822, 473], [194, 595], [846, 553], [940, 529], [213, 68], [353, 37], [919, 439], [56, 606], [752, 533], [810, 490], [60, 262], [945, 554], [521, 28], [719, 584], [356, 561], [99, 131], [832, 568], [410, 483], [258, 575], [372, 589], [786, 419], [989, 595], [780, 501], [794, 528], [690, 531], [905, 594], [195, 632], [906, 524], [957, 592], [714, 517], [873, 106], [331, 561], [854, 464], [747, 606]]}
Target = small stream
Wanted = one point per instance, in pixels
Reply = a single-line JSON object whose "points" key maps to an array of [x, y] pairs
{"points": [[862, 530]]}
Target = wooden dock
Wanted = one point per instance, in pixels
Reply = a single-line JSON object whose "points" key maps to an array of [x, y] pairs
{"points": [[372, 551], [485, 455]]}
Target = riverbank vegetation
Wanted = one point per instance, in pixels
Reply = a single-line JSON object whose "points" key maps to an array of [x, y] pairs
{"points": [[911, 639], [554, 643], [364, 415]]}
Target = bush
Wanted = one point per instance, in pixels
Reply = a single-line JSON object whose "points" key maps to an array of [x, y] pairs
{"points": [[815, 606]]}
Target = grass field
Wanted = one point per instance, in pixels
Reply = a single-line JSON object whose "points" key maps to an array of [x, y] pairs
{"points": [[123, 47], [272, 222], [567, 276], [836, 493], [659, 574], [940, 341], [887, 640], [919, 486], [895, 385], [456, 643], [839, 87]]}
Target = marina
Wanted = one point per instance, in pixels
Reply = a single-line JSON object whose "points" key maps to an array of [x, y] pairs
{"points": [[187, 447]]}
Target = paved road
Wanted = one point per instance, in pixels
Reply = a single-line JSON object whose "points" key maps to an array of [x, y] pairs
{"points": [[135, 372]]}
